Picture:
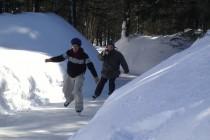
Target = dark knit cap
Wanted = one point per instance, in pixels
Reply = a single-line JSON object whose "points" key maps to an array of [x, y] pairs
{"points": [[112, 44], [76, 41]]}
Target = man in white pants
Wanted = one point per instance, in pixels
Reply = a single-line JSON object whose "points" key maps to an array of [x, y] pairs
{"points": [[72, 90], [78, 60]]}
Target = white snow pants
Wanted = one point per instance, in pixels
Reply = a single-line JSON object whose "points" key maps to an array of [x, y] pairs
{"points": [[72, 90]]}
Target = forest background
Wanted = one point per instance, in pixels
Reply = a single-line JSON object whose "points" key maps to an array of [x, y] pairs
{"points": [[101, 20]]}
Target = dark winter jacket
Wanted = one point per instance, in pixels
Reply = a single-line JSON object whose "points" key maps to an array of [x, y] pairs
{"points": [[111, 64], [77, 62]]}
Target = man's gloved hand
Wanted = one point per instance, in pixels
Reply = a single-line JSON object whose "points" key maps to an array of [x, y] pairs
{"points": [[105, 52]]}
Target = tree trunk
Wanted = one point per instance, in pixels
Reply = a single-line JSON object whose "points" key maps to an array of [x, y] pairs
{"points": [[36, 6], [127, 16], [1, 6], [73, 7]]}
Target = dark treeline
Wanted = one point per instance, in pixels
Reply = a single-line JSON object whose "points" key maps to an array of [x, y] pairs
{"points": [[101, 20]]}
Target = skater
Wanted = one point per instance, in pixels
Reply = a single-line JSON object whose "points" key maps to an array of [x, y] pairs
{"points": [[112, 59], [76, 67]]}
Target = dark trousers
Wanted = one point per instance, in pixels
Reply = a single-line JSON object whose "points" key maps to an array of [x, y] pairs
{"points": [[101, 84]]}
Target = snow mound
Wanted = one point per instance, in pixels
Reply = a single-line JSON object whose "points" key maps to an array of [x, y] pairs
{"points": [[40, 32], [27, 81], [26, 40], [170, 101], [144, 52]]}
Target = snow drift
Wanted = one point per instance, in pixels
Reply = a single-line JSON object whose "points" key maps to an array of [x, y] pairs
{"points": [[144, 52], [27, 81], [170, 101], [26, 40]]}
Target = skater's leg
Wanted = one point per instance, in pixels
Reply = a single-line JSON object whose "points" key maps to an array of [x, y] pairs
{"points": [[100, 87], [77, 91], [111, 85], [67, 90]]}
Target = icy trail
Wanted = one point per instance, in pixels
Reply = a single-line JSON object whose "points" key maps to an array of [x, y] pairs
{"points": [[51, 122]]}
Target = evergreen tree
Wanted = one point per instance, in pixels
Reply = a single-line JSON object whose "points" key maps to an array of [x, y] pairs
{"points": [[101, 21]]}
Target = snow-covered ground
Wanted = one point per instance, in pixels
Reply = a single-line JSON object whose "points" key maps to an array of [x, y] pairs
{"points": [[49, 122], [169, 102], [144, 52], [31, 98], [26, 40]]}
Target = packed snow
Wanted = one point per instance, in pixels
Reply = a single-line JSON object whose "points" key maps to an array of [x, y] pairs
{"points": [[170, 101], [144, 52], [26, 40], [31, 98]]}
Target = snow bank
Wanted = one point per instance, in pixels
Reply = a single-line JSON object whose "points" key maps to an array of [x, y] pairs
{"points": [[26, 40], [27, 81], [170, 101], [40, 32], [144, 52]]}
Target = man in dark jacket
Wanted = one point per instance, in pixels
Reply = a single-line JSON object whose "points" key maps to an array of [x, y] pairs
{"points": [[112, 59], [76, 67]]}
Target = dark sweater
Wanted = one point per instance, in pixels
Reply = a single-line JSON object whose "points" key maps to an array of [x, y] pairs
{"points": [[111, 64], [77, 62]]}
